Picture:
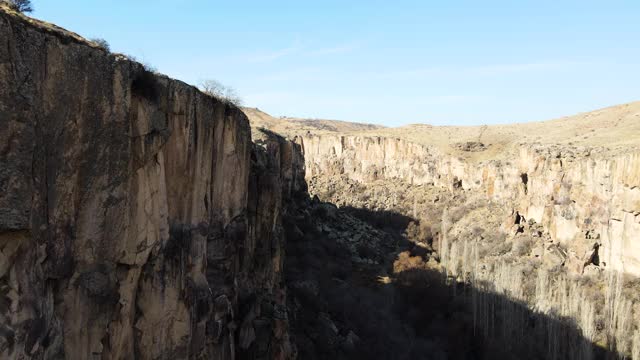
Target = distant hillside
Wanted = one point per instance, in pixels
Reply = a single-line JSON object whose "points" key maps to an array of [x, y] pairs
{"points": [[610, 129], [289, 126]]}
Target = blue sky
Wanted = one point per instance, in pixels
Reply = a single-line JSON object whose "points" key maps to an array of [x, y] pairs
{"points": [[386, 62]]}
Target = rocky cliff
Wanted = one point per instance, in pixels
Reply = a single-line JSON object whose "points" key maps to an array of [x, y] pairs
{"points": [[539, 228], [584, 196], [137, 219]]}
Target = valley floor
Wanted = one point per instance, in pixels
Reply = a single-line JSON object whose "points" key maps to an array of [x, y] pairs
{"points": [[371, 279]]}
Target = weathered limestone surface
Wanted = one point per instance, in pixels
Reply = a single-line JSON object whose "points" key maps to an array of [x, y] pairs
{"points": [[134, 220], [581, 197]]}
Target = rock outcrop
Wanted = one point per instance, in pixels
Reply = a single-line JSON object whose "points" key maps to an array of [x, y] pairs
{"points": [[533, 235], [571, 191], [137, 219]]}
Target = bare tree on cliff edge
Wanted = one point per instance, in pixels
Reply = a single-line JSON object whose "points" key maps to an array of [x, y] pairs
{"points": [[23, 6]]}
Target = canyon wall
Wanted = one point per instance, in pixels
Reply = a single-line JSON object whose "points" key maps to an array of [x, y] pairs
{"points": [[588, 201], [539, 237], [137, 219]]}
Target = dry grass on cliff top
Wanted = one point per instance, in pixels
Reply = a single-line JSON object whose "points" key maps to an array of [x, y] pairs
{"points": [[616, 128], [45, 26], [288, 126]]}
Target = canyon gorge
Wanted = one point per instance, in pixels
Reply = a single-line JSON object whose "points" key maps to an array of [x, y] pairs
{"points": [[143, 219]]}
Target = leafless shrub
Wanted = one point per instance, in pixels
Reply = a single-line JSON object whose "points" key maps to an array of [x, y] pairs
{"points": [[419, 231], [23, 6], [522, 246], [222, 92], [457, 213], [477, 231], [406, 262], [102, 44]]}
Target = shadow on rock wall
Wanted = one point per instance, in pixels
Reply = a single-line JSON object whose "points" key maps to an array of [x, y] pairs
{"points": [[346, 301]]}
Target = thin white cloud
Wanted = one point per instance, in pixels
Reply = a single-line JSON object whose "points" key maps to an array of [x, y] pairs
{"points": [[273, 55], [341, 49], [297, 49], [482, 70], [411, 73], [268, 98], [296, 74], [524, 67]]}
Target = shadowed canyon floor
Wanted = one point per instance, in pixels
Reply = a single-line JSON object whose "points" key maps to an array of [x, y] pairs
{"points": [[360, 289]]}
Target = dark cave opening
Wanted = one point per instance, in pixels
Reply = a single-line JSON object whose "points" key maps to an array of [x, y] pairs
{"points": [[525, 181]]}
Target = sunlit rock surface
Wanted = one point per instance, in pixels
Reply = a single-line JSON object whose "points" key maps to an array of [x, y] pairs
{"points": [[137, 220]]}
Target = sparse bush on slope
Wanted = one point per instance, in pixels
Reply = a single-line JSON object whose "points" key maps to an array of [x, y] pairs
{"points": [[102, 44], [220, 91], [23, 6]]}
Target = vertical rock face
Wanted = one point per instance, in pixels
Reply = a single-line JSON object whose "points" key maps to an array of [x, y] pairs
{"points": [[525, 237], [277, 178], [136, 218], [582, 196]]}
